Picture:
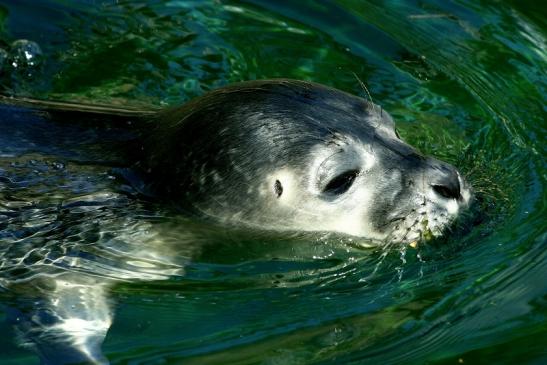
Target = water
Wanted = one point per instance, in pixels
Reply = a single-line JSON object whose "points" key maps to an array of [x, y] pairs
{"points": [[465, 82]]}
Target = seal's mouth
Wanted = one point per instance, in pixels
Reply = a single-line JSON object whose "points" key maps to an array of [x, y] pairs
{"points": [[420, 225]]}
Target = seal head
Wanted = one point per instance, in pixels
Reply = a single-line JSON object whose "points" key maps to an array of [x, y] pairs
{"points": [[294, 155]]}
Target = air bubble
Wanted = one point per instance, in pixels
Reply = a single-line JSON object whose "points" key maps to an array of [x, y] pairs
{"points": [[58, 165], [25, 54]]}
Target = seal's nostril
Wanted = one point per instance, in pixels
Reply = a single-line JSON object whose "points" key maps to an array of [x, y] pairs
{"points": [[444, 180], [449, 191]]}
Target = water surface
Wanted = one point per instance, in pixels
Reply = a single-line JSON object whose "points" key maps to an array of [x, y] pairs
{"points": [[465, 81]]}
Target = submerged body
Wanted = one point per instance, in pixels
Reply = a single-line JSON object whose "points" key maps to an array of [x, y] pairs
{"points": [[282, 155]]}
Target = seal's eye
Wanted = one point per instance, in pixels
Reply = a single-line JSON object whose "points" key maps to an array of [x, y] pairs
{"points": [[397, 134], [341, 183]]}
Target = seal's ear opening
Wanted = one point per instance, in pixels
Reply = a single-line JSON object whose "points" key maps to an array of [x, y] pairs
{"points": [[278, 188]]}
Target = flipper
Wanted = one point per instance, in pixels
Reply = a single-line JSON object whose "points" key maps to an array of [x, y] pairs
{"points": [[64, 319]]}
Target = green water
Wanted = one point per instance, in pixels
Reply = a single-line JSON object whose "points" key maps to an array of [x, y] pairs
{"points": [[465, 81]]}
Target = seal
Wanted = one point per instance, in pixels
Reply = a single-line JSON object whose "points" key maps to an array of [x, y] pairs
{"points": [[285, 155], [295, 155], [281, 155]]}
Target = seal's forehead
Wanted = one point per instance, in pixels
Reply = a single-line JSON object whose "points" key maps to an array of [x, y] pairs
{"points": [[355, 109], [308, 99], [377, 131], [363, 125]]}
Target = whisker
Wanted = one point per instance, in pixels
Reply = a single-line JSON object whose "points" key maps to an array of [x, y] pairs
{"points": [[365, 89]]}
